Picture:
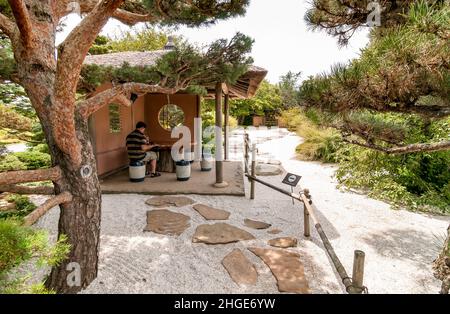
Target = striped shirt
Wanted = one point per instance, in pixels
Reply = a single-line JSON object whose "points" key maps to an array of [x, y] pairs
{"points": [[135, 140]]}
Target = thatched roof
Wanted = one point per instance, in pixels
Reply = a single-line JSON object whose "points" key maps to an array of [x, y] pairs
{"points": [[245, 87]]}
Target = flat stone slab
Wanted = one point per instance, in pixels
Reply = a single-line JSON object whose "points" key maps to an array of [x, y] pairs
{"points": [[287, 269], [240, 269], [275, 231], [163, 201], [210, 213], [220, 233], [256, 224], [265, 170], [284, 243], [166, 222]]}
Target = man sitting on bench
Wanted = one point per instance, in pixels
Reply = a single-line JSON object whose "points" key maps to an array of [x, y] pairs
{"points": [[140, 149]]}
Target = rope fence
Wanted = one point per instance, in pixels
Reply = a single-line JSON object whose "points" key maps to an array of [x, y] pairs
{"points": [[353, 285]]}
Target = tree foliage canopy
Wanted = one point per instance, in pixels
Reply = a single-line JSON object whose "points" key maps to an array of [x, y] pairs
{"points": [[405, 69], [186, 65]]}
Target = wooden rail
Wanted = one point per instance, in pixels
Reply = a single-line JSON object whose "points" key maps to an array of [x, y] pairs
{"points": [[352, 285]]}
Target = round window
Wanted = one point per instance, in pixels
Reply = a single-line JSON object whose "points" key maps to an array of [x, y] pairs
{"points": [[170, 117]]}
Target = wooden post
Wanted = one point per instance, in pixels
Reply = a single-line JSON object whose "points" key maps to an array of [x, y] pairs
{"points": [[358, 272], [227, 126], [307, 227], [252, 182], [246, 156], [220, 183]]}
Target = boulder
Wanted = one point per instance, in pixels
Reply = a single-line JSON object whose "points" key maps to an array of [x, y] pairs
{"points": [[210, 213], [241, 270], [220, 233], [287, 269], [166, 222]]}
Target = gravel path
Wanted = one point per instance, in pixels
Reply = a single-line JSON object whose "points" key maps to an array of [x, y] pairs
{"points": [[400, 246]]}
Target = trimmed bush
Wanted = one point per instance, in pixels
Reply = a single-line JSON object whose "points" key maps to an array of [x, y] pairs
{"points": [[34, 159]]}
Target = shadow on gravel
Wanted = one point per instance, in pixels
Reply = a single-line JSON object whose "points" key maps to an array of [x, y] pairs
{"points": [[422, 248]]}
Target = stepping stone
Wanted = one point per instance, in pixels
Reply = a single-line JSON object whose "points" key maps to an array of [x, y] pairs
{"points": [[210, 213], [265, 170], [241, 270], [283, 243], [256, 224], [163, 201], [274, 231], [166, 222], [220, 233], [287, 269]]}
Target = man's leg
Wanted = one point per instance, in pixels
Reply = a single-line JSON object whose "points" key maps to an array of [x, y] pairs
{"points": [[152, 165]]}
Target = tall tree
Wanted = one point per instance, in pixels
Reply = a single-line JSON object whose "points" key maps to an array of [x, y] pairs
{"points": [[404, 70], [289, 86], [51, 83]]}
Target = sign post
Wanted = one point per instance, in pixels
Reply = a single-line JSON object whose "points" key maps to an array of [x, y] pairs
{"points": [[292, 180]]}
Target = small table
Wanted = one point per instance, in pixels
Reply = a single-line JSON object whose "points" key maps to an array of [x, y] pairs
{"points": [[165, 162]]}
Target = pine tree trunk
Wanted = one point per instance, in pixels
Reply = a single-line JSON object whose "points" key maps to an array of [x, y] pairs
{"points": [[80, 219]]}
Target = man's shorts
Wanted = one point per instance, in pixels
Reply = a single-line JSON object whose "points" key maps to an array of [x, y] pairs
{"points": [[150, 156]]}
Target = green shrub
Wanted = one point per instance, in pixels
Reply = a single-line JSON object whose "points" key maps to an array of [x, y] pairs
{"points": [[34, 159], [19, 244], [23, 207], [417, 181], [320, 143], [41, 148], [11, 162]]}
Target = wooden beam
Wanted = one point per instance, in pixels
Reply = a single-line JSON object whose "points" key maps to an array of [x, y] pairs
{"points": [[25, 176], [227, 126], [21, 189], [219, 124]]}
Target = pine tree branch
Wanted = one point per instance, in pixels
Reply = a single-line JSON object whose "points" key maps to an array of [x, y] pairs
{"points": [[6, 25], [71, 54], [25, 176], [23, 21], [120, 94], [125, 16], [59, 199], [21, 189], [407, 149], [130, 18]]}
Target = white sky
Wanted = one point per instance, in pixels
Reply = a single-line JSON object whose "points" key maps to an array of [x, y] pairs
{"points": [[282, 41]]}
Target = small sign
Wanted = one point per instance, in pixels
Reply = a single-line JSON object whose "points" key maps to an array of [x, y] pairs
{"points": [[292, 179]]}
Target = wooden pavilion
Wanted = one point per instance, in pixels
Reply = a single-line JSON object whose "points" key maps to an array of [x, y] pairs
{"points": [[110, 125]]}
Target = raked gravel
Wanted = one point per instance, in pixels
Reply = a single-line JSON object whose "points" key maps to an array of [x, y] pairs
{"points": [[400, 246]]}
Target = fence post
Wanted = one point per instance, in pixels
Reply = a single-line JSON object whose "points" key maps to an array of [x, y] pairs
{"points": [[358, 272], [246, 140], [252, 182], [307, 227]]}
